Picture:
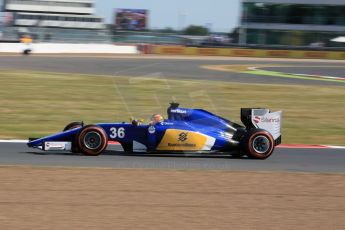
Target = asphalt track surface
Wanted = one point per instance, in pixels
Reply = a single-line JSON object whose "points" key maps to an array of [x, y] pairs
{"points": [[296, 160], [290, 160], [334, 71], [170, 68]]}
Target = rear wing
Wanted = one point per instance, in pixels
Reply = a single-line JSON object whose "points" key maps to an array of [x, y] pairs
{"points": [[263, 119]]}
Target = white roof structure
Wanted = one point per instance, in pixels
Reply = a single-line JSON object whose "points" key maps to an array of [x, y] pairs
{"points": [[54, 13]]}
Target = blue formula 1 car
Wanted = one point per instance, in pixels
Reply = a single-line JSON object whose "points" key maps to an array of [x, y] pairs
{"points": [[185, 131]]}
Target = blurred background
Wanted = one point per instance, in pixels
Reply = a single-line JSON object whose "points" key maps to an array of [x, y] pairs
{"points": [[286, 24]]}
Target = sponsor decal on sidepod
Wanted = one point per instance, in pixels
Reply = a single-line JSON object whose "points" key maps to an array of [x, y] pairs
{"points": [[178, 111]]}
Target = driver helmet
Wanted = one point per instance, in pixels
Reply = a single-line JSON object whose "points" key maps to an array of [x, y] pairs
{"points": [[156, 118]]}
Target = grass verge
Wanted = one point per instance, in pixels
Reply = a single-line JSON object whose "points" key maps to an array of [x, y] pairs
{"points": [[37, 103]]}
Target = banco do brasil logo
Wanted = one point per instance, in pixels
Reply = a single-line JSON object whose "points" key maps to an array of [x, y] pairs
{"points": [[183, 136]]}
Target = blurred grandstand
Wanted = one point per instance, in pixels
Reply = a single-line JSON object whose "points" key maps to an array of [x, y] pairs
{"points": [[276, 24], [57, 35], [52, 20]]}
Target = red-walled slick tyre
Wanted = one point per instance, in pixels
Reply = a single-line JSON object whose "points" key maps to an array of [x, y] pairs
{"points": [[259, 144], [92, 140]]}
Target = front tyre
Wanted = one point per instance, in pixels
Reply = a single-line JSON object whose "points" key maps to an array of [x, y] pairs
{"points": [[73, 125], [92, 140], [259, 144]]}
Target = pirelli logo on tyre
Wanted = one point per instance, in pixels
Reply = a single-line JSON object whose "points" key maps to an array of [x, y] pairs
{"points": [[182, 140]]}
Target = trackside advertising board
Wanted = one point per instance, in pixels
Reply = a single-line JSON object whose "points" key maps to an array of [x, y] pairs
{"points": [[233, 52]]}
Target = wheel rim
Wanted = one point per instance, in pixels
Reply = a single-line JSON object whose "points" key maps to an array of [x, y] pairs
{"points": [[261, 144], [92, 140]]}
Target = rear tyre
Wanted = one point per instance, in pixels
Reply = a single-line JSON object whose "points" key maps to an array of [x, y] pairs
{"points": [[92, 140], [259, 144]]}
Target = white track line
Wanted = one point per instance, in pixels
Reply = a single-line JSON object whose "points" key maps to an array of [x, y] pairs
{"points": [[337, 147], [13, 141]]}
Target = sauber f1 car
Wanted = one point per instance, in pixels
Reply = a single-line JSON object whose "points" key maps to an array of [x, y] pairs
{"points": [[185, 131]]}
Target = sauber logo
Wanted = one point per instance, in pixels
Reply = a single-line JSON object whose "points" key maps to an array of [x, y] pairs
{"points": [[258, 119], [182, 137]]}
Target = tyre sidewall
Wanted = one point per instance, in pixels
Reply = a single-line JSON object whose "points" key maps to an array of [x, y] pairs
{"points": [[251, 152]]}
